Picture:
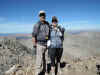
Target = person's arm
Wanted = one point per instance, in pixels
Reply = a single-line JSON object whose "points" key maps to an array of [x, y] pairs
{"points": [[34, 34], [63, 31], [34, 41], [49, 41]]}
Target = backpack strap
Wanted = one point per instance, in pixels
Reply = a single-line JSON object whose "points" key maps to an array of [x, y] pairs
{"points": [[39, 25], [62, 31]]}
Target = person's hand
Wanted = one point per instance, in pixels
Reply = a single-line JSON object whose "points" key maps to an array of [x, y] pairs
{"points": [[34, 42], [34, 46]]}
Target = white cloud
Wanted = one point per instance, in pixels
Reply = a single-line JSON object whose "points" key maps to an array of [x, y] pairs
{"points": [[16, 28], [80, 25]]}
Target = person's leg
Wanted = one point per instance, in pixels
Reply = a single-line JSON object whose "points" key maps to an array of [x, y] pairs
{"points": [[59, 55], [39, 58], [52, 53], [45, 59]]}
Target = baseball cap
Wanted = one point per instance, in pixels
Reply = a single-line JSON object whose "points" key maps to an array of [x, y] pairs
{"points": [[42, 13]]}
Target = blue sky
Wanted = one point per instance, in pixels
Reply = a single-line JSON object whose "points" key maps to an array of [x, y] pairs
{"points": [[19, 16]]}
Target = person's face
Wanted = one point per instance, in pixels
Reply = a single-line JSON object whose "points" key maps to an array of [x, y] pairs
{"points": [[54, 24], [42, 18]]}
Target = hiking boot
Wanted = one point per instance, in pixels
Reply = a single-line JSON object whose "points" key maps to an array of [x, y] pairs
{"points": [[52, 73], [46, 73]]}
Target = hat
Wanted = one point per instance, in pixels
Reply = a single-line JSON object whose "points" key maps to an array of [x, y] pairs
{"points": [[42, 13]]}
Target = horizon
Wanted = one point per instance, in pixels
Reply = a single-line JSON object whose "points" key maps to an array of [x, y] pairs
{"points": [[68, 31]]}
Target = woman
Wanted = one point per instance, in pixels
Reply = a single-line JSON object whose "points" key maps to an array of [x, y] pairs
{"points": [[56, 44]]}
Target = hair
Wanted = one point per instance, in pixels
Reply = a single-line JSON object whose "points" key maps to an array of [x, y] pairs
{"points": [[54, 19]]}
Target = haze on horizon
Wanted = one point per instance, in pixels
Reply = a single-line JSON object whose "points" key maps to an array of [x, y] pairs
{"points": [[19, 16]]}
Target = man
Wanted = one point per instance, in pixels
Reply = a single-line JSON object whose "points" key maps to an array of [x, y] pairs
{"points": [[40, 37]]}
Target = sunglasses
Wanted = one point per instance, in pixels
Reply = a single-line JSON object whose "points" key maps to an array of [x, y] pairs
{"points": [[54, 22], [42, 14]]}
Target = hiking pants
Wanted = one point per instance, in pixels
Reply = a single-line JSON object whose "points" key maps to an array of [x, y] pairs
{"points": [[55, 55], [40, 59]]}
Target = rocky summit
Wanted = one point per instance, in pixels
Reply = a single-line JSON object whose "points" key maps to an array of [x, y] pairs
{"points": [[81, 55]]}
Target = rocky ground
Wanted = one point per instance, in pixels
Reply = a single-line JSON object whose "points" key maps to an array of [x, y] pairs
{"points": [[81, 55], [14, 52]]}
